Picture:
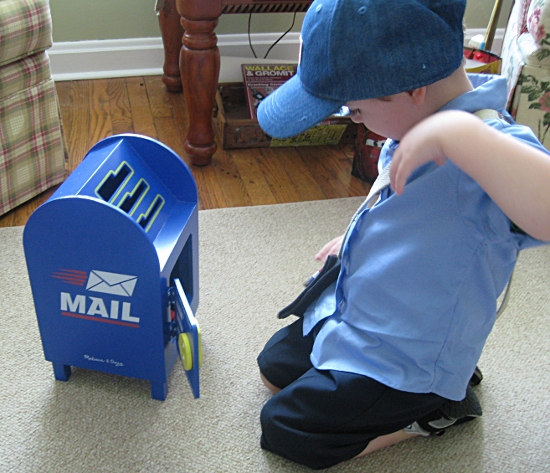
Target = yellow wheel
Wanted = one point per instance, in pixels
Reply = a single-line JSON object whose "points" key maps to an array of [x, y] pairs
{"points": [[185, 351]]}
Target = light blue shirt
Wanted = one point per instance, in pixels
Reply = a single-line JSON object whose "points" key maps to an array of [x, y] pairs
{"points": [[421, 273]]}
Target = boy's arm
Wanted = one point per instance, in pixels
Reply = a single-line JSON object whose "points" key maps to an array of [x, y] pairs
{"points": [[514, 174]]}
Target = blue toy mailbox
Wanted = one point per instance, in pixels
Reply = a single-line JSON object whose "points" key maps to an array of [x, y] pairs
{"points": [[113, 265]]}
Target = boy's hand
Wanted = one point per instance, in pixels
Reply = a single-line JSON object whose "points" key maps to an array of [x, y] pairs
{"points": [[419, 146], [331, 248]]}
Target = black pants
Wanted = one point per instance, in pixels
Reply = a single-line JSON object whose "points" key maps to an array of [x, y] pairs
{"points": [[321, 418]]}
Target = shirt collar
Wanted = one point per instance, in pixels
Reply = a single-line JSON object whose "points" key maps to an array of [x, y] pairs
{"points": [[490, 91]]}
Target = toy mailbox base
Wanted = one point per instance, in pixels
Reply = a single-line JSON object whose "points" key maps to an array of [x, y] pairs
{"points": [[113, 264], [189, 348]]}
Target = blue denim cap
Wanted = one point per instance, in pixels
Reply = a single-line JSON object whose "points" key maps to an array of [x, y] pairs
{"points": [[362, 49]]}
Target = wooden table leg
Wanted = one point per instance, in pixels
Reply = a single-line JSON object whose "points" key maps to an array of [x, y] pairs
{"points": [[172, 36], [199, 63], [200, 70]]}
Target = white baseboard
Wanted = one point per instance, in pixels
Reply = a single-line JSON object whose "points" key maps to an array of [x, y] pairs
{"points": [[145, 56]]}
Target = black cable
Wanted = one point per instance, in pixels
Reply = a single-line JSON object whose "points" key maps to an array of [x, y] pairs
{"points": [[282, 36], [275, 43], [249, 40]]}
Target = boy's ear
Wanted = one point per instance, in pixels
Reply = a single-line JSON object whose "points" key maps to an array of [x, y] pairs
{"points": [[418, 95]]}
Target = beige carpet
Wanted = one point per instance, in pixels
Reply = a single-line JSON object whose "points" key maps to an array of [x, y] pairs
{"points": [[252, 263]]}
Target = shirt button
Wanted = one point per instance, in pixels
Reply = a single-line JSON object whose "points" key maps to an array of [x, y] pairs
{"points": [[346, 261], [342, 306]]}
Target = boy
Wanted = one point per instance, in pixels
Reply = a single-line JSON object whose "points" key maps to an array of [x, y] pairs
{"points": [[386, 351]]}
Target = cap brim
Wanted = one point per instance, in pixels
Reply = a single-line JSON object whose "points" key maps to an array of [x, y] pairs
{"points": [[291, 110]]}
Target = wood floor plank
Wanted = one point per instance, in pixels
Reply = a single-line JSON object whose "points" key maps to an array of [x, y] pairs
{"points": [[119, 106], [159, 98], [99, 109], [140, 107], [304, 183], [321, 166], [275, 174], [7, 219], [67, 105], [168, 135], [229, 179], [180, 116], [252, 177], [74, 101], [210, 192], [342, 167]]}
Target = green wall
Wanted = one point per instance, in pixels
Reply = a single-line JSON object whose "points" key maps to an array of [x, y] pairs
{"points": [[80, 20]]}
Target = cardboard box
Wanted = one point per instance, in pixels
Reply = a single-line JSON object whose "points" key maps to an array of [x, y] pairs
{"points": [[237, 130]]}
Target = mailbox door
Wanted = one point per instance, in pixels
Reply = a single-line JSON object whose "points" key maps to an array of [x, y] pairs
{"points": [[189, 338]]}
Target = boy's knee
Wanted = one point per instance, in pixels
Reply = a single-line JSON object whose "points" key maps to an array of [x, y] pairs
{"points": [[286, 356], [288, 441], [276, 436], [274, 389], [272, 426]]}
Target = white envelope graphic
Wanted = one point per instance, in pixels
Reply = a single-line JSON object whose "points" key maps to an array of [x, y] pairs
{"points": [[111, 283]]}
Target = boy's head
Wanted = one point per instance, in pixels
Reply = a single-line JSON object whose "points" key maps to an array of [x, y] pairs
{"points": [[360, 49]]}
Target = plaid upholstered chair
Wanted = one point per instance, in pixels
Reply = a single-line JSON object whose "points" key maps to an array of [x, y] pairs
{"points": [[32, 148]]}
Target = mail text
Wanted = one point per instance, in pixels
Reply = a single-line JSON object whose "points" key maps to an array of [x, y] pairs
{"points": [[96, 306]]}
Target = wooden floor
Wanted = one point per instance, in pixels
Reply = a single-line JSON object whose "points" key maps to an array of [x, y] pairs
{"points": [[95, 109]]}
